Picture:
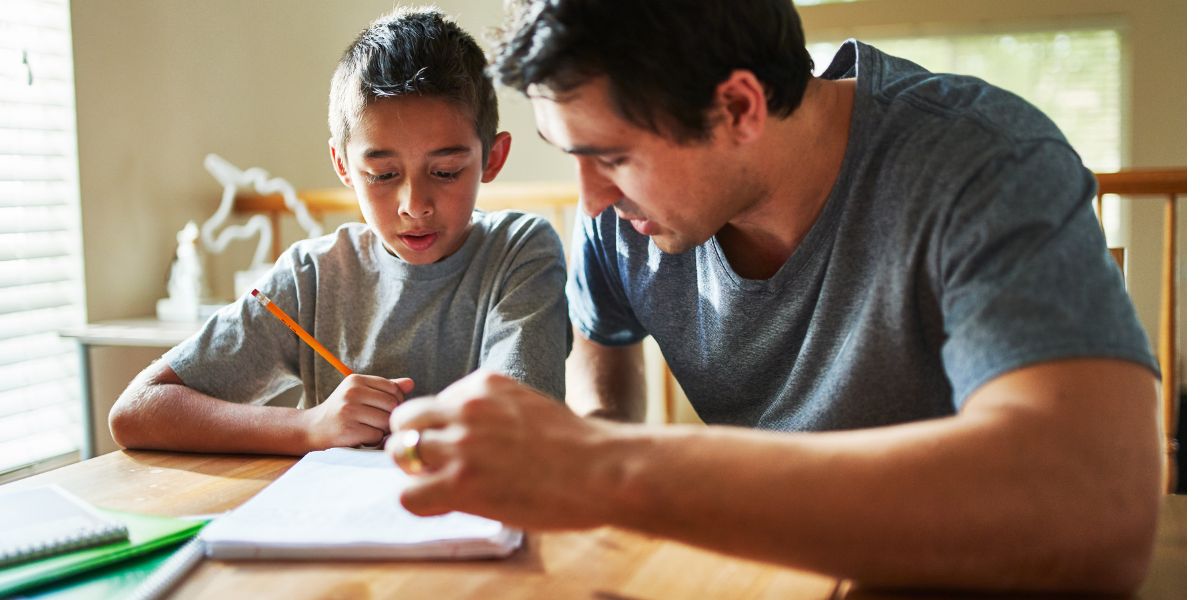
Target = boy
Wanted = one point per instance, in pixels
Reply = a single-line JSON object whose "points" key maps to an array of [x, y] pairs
{"points": [[425, 292]]}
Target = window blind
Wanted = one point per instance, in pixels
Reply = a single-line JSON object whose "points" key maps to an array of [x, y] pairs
{"points": [[40, 267]]}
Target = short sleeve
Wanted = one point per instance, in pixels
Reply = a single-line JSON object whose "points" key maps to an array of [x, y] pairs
{"points": [[1025, 272], [598, 304], [527, 335], [243, 354]]}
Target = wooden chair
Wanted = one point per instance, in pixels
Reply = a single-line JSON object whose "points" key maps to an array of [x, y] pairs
{"points": [[553, 200], [1142, 185]]}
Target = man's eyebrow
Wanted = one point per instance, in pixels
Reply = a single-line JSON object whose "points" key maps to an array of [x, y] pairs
{"points": [[587, 149], [379, 153]]}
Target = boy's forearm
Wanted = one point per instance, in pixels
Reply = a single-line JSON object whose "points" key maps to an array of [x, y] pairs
{"points": [[175, 417]]}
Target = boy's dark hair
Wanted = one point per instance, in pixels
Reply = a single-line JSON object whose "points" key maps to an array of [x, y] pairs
{"points": [[663, 58], [412, 51]]}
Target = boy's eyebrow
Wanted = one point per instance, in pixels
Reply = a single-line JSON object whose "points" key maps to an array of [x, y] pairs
{"points": [[373, 153], [587, 150], [450, 151]]}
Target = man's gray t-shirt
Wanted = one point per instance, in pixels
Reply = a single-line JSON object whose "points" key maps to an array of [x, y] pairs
{"points": [[496, 303], [957, 244]]}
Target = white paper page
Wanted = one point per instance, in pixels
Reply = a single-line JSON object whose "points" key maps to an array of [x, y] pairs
{"points": [[345, 498]]}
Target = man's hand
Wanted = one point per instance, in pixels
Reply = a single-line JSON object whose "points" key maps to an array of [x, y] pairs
{"points": [[356, 413], [493, 447]]}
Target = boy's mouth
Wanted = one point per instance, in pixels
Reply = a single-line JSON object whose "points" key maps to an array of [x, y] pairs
{"points": [[419, 242]]}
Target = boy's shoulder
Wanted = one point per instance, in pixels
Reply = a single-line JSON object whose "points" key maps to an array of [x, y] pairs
{"points": [[515, 230], [349, 240]]}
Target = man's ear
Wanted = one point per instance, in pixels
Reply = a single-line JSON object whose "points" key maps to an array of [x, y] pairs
{"points": [[339, 164], [741, 103], [497, 156]]}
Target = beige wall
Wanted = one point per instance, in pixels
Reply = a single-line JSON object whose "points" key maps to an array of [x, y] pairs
{"points": [[160, 84]]}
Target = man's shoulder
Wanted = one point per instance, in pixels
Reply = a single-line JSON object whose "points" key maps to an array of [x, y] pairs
{"points": [[908, 95]]}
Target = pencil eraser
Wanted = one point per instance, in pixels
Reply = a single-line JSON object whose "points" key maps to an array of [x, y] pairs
{"points": [[254, 293]]}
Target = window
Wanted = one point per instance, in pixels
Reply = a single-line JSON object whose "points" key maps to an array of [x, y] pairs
{"points": [[40, 266], [1073, 76]]}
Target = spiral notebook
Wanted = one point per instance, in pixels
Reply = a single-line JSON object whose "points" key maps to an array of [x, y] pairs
{"points": [[344, 504], [48, 520]]}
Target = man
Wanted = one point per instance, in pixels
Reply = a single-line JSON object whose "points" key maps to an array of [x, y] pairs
{"points": [[891, 280]]}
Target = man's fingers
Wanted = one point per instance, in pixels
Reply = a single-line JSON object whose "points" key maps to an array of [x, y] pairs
{"points": [[420, 413], [428, 496]]}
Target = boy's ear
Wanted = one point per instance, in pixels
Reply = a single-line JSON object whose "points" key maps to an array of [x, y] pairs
{"points": [[741, 103], [497, 156], [339, 165]]}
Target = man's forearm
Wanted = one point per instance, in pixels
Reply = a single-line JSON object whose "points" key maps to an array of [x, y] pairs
{"points": [[979, 500], [606, 381]]}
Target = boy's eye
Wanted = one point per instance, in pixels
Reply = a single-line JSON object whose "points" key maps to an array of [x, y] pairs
{"points": [[446, 175]]}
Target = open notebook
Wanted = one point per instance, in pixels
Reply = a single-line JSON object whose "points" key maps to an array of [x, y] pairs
{"points": [[48, 520], [344, 504]]}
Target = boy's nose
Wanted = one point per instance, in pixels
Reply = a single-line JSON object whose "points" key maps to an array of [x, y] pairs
{"points": [[596, 192], [415, 203]]}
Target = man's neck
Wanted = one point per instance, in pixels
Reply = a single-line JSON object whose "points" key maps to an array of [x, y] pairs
{"points": [[803, 156]]}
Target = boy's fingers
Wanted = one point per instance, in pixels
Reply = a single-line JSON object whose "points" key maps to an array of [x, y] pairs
{"points": [[374, 418], [406, 385], [382, 384], [376, 399]]}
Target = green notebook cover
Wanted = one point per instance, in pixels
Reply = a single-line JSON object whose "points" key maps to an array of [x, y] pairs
{"points": [[118, 580], [147, 533]]}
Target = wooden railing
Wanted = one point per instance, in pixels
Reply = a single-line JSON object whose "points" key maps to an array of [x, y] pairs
{"points": [[554, 200], [557, 202], [1154, 185]]}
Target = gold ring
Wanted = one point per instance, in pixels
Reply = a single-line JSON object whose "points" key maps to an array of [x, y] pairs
{"points": [[410, 456]]}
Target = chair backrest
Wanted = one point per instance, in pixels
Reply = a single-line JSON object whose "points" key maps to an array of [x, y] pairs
{"points": [[1167, 186]]}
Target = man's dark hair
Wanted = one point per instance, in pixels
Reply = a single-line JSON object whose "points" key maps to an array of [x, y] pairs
{"points": [[663, 58], [412, 51]]}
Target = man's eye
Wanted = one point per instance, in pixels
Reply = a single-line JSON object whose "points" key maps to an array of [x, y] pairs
{"points": [[611, 163], [372, 178], [447, 175]]}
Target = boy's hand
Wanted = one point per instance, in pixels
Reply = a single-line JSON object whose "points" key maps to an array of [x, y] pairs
{"points": [[356, 413]]}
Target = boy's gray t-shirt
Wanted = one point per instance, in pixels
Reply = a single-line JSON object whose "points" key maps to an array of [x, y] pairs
{"points": [[496, 303], [957, 244]]}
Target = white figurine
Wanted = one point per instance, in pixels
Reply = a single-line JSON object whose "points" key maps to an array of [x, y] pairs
{"points": [[233, 178], [187, 287]]}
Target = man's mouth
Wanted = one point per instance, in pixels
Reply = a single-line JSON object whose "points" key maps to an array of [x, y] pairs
{"points": [[644, 226]]}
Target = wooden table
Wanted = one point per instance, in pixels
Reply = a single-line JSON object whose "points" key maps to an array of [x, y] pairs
{"points": [[602, 563]]}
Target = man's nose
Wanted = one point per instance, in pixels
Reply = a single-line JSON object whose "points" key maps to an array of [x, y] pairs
{"points": [[596, 191]]}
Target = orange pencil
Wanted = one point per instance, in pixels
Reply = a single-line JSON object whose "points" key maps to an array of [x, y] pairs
{"points": [[298, 330]]}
